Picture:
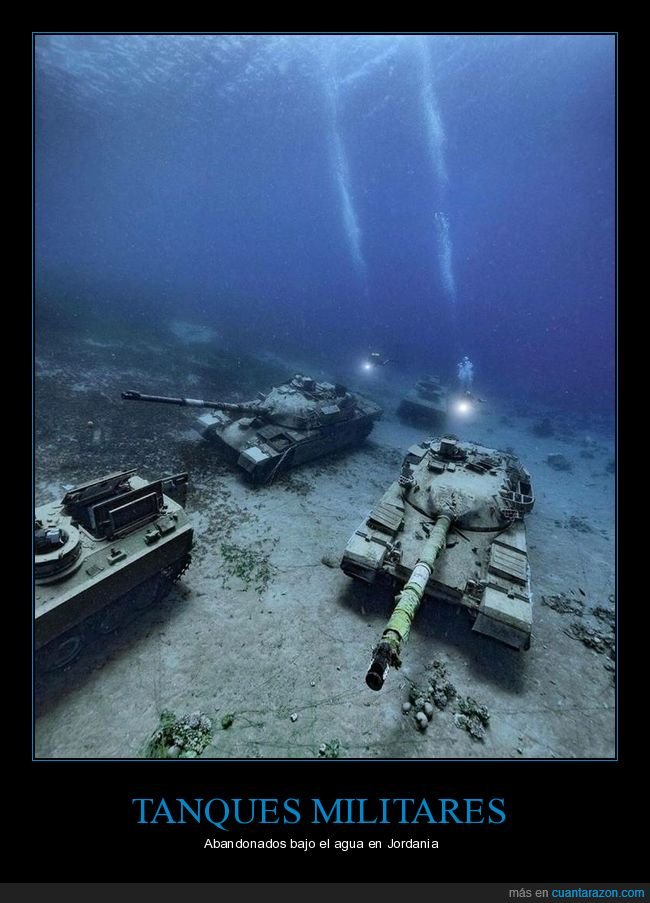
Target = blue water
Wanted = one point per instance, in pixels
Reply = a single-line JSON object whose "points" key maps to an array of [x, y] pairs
{"points": [[428, 196]]}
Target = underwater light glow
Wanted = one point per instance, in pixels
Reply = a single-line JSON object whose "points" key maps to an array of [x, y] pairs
{"points": [[463, 407]]}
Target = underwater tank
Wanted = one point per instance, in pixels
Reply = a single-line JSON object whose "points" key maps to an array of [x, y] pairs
{"points": [[295, 422], [450, 528], [111, 548], [426, 404]]}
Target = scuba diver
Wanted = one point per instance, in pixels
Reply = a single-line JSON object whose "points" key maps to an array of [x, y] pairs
{"points": [[466, 404], [466, 375], [375, 359]]}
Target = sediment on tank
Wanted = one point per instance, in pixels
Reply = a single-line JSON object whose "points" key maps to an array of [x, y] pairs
{"points": [[361, 267]]}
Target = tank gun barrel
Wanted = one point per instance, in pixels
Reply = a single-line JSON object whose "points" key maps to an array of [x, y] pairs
{"points": [[246, 407], [397, 630]]}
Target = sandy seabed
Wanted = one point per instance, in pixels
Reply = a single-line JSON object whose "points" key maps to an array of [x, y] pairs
{"points": [[281, 658]]}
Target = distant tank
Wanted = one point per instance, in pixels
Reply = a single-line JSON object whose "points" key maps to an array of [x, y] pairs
{"points": [[109, 549], [426, 404], [451, 528], [296, 422]]}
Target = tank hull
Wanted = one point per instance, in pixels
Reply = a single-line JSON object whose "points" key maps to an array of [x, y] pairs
{"points": [[113, 577], [483, 569], [417, 411], [296, 421], [266, 452]]}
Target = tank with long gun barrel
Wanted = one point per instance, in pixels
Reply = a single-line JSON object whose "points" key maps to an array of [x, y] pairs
{"points": [[450, 528], [295, 422]]}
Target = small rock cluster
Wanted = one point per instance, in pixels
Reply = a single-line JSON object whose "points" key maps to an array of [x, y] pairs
{"points": [[600, 642], [442, 690], [472, 717], [183, 737], [438, 692], [421, 705], [330, 750], [606, 615], [564, 604]]}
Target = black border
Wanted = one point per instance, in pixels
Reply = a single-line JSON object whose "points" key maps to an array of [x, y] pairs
{"points": [[566, 820]]}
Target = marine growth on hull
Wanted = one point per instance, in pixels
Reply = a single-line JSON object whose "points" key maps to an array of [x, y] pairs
{"points": [[295, 422], [450, 528], [111, 548]]}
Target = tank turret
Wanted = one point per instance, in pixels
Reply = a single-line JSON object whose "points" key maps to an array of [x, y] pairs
{"points": [[450, 528], [110, 548], [295, 422]]}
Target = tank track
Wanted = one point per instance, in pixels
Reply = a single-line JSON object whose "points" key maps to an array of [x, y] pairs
{"points": [[175, 571]]}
